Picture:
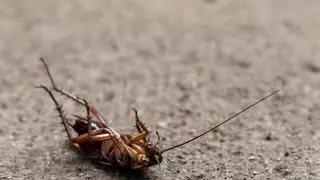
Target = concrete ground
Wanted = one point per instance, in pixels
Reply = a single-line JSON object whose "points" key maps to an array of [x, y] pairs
{"points": [[186, 65]]}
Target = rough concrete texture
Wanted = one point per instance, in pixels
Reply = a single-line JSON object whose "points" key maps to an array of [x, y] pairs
{"points": [[186, 65]]}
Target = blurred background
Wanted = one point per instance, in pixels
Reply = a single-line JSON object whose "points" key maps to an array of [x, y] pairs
{"points": [[185, 65]]}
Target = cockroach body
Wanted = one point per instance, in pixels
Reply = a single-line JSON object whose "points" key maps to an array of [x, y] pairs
{"points": [[103, 144], [92, 135]]}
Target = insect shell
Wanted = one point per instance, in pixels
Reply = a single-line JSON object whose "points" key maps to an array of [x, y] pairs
{"points": [[101, 143]]}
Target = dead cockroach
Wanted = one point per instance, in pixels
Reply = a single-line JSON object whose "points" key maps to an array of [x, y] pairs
{"points": [[103, 144]]}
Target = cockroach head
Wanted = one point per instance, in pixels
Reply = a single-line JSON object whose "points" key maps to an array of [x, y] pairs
{"points": [[153, 153]]}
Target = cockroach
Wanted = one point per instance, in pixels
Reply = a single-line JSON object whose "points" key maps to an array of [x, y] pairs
{"points": [[92, 135]]}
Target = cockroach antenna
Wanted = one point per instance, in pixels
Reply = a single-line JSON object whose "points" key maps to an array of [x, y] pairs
{"points": [[223, 122]]}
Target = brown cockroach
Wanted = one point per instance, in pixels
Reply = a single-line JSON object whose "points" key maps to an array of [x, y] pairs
{"points": [[101, 143]]}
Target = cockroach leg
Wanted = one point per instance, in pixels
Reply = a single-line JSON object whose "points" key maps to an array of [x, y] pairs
{"points": [[96, 135], [71, 96], [139, 129], [60, 111], [89, 119], [159, 139], [54, 87], [143, 131], [139, 125], [139, 137], [100, 118]]}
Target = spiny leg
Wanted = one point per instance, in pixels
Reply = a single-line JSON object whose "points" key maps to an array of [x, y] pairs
{"points": [[140, 136], [159, 139], [70, 96], [137, 120], [96, 135], [89, 119], [100, 118], [59, 109], [143, 131], [139, 125], [74, 98]]}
